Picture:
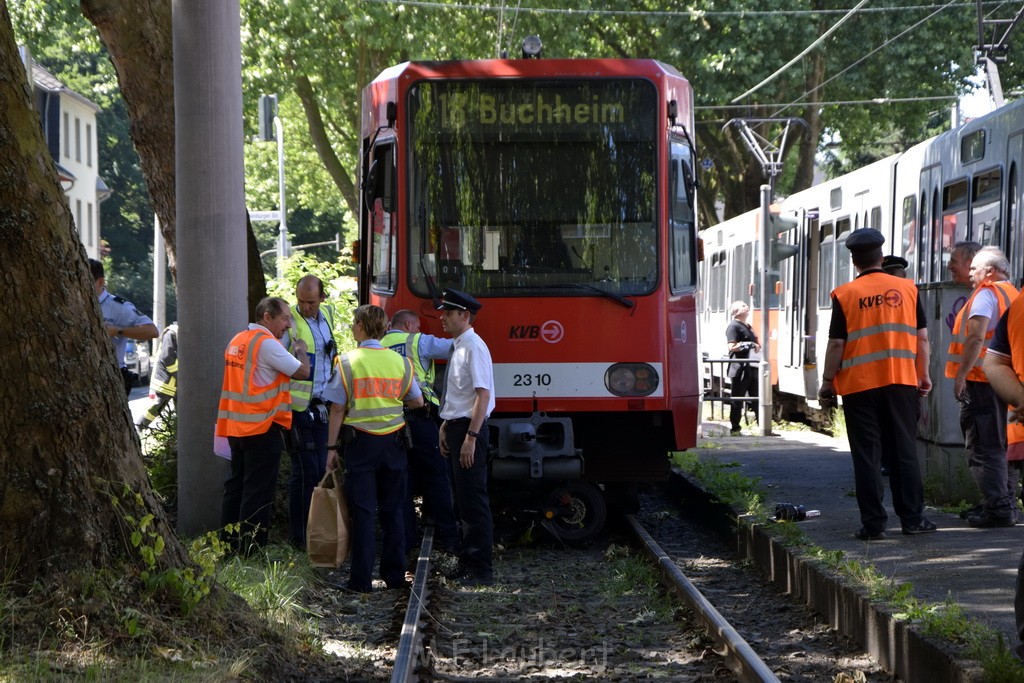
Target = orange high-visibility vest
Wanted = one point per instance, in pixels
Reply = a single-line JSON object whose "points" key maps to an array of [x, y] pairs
{"points": [[1005, 294], [375, 380], [1015, 332], [245, 408], [881, 327]]}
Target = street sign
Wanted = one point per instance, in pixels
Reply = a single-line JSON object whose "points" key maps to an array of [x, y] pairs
{"points": [[265, 216], [707, 164]]}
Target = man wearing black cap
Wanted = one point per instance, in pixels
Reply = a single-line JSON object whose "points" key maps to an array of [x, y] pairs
{"points": [[877, 359], [895, 265], [468, 401]]}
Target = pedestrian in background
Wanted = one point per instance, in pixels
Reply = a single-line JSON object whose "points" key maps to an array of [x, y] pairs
{"points": [[123, 321], [367, 398], [742, 376], [254, 413], [1004, 368], [164, 383], [428, 469], [877, 359], [313, 324], [468, 402], [982, 412]]}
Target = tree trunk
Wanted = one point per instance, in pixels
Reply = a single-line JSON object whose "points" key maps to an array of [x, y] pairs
{"points": [[67, 433], [137, 35]]}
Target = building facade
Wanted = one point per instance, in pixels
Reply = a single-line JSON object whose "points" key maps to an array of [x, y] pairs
{"points": [[69, 127]]}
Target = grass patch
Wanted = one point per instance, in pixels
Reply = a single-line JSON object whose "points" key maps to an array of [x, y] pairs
{"points": [[631, 575]]}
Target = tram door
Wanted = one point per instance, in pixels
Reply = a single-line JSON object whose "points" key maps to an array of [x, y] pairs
{"points": [[1014, 238]]}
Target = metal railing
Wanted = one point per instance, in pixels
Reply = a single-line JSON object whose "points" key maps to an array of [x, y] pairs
{"points": [[715, 389]]}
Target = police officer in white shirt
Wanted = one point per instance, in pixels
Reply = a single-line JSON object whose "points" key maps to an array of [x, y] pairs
{"points": [[123, 321], [468, 401]]}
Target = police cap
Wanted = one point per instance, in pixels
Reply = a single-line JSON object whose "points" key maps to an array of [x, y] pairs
{"points": [[454, 300], [864, 239], [892, 261]]}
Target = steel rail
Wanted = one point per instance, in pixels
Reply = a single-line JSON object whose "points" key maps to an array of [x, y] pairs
{"points": [[738, 654], [411, 641]]}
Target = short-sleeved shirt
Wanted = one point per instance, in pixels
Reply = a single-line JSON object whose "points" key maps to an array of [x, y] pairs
{"points": [[273, 359], [121, 314], [431, 348], [335, 391], [470, 368], [985, 304], [837, 327]]}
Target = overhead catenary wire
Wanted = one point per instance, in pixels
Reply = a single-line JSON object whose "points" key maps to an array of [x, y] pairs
{"points": [[671, 13], [912, 27], [822, 38]]}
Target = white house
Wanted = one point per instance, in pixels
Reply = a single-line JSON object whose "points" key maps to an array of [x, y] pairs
{"points": [[69, 127]]}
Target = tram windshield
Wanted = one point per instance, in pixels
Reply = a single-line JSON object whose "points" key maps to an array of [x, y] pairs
{"points": [[538, 188]]}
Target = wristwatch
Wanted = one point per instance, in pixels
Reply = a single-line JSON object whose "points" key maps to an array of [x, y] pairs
{"points": [[470, 432], [333, 447]]}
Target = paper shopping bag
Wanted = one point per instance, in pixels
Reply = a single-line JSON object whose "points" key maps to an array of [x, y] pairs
{"points": [[327, 528]]}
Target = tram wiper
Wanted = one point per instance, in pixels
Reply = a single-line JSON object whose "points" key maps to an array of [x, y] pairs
{"points": [[617, 298]]}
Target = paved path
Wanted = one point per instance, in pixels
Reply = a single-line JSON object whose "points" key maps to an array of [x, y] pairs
{"points": [[976, 567]]}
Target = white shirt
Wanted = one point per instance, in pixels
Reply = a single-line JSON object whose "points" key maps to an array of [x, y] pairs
{"points": [[469, 369], [272, 359], [985, 304]]}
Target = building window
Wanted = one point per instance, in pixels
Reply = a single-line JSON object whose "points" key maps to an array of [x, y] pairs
{"points": [[78, 139], [67, 137], [88, 145], [90, 239], [78, 215]]}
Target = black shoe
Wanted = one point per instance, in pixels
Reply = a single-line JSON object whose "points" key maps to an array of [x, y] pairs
{"points": [[865, 535], [925, 526], [976, 510], [735, 431], [986, 520]]}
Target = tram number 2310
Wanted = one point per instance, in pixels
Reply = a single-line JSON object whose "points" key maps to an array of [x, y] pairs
{"points": [[541, 379]]}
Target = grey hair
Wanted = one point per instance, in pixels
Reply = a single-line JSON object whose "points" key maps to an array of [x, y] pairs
{"points": [[735, 307], [994, 258]]}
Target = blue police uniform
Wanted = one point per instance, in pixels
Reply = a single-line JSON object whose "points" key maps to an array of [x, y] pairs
{"points": [[121, 314], [428, 469]]}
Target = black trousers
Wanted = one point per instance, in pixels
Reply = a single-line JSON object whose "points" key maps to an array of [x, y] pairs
{"points": [[743, 384], [249, 489], [428, 472], [882, 423], [472, 504]]}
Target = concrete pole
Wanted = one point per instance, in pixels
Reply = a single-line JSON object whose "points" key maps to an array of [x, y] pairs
{"points": [[764, 367], [212, 272], [282, 236], [159, 277]]}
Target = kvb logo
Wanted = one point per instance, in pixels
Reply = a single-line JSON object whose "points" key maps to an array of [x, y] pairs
{"points": [[551, 332]]}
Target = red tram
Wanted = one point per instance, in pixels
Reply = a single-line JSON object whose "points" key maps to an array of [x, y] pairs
{"points": [[561, 194]]}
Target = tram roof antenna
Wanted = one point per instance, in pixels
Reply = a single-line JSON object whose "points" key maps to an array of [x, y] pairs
{"points": [[767, 150], [993, 52]]}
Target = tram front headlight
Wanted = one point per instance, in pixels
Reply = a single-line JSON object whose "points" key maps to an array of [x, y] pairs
{"points": [[631, 379]]}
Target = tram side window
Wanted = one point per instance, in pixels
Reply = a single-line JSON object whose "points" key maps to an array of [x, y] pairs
{"points": [[718, 282], [843, 262], [908, 236], [380, 184], [876, 218], [740, 289], [682, 224], [826, 266], [954, 218], [986, 208]]}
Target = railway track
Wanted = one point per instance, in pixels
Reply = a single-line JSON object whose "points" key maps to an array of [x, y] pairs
{"points": [[600, 613]]}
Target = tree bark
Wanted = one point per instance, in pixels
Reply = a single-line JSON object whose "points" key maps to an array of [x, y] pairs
{"points": [[68, 440], [137, 35]]}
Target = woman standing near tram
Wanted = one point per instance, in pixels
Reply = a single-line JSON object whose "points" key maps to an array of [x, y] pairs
{"points": [[743, 376]]}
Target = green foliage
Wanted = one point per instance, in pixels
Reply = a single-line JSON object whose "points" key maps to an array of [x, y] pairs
{"points": [[339, 286], [271, 581], [160, 453], [186, 586], [742, 493]]}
